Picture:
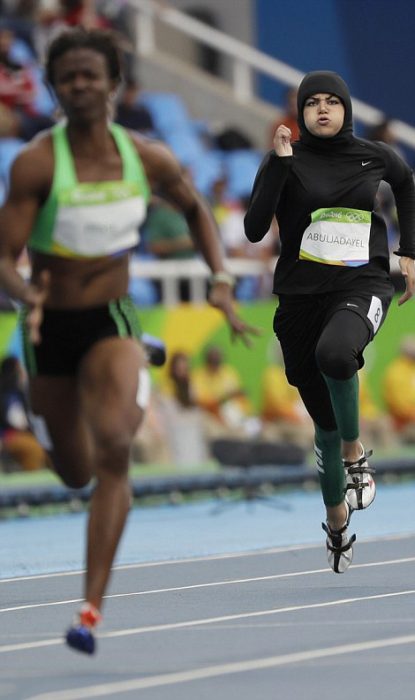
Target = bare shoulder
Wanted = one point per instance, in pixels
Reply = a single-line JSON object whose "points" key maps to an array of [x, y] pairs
{"points": [[160, 164]]}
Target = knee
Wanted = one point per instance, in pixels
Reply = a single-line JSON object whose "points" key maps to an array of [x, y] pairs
{"points": [[113, 452], [336, 360], [76, 481], [73, 468]]}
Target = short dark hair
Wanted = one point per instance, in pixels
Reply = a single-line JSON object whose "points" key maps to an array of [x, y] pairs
{"points": [[103, 41]]}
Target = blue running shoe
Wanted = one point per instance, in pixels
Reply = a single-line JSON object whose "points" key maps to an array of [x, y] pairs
{"points": [[81, 635], [81, 638]]}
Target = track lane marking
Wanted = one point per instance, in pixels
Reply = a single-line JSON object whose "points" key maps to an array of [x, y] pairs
{"points": [[207, 621], [211, 557], [218, 670], [210, 584]]}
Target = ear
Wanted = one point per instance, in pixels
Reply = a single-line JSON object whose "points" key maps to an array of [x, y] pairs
{"points": [[114, 89]]}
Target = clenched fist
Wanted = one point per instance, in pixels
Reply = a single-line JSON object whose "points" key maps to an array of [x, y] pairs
{"points": [[282, 141]]}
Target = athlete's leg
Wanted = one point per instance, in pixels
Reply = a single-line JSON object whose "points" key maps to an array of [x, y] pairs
{"points": [[298, 326], [114, 391], [56, 400], [316, 398], [338, 355]]}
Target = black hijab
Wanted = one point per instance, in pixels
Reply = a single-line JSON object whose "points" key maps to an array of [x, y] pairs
{"points": [[332, 84]]}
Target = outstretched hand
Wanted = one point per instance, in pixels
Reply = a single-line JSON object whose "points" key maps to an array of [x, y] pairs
{"points": [[221, 298], [35, 299], [407, 266]]}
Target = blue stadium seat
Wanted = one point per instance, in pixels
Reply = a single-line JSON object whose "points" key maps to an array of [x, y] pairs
{"points": [[240, 168], [43, 103], [206, 170], [167, 109], [9, 149], [21, 52]]}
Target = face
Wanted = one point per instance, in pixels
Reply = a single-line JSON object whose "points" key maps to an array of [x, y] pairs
{"points": [[323, 115], [82, 85]]}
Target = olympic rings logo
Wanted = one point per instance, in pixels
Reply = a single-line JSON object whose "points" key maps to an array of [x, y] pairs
{"points": [[354, 217]]}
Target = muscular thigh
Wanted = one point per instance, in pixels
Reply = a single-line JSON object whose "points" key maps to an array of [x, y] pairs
{"points": [[113, 383], [56, 401]]}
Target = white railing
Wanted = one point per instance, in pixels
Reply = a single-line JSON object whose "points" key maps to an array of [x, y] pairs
{"points": [[245, 59], [170, 272]]}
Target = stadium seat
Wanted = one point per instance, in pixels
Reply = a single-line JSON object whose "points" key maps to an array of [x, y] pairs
{"points": [[206, 170], [240, 168], [167, 109], [9, 148]]}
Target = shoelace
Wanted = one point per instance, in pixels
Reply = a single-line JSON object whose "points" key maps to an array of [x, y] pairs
{"points": [[360, 465]]}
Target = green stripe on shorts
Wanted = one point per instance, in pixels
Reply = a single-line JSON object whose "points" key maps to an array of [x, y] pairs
{"points": [[28, 349], [118, 319], [130, 313]]}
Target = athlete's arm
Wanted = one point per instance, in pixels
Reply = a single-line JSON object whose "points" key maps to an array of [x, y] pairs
{"points": [[28, 181], [167, 177], [268, 186], [400, 178]]}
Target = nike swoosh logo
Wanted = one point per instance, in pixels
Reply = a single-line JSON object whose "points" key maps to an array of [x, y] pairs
{"points": [[366, 162]]}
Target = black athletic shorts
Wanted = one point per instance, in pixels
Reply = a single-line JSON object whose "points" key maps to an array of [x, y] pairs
{"points": [[300, 319], [67, 334]]}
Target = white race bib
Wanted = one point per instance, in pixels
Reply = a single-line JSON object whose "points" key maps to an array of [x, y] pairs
{"points": [[337, 236]]}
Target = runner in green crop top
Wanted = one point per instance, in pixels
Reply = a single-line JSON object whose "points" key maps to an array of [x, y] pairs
{"points": [[77, 195]]}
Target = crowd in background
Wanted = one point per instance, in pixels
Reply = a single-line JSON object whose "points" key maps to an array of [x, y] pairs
{"points": [[193, 407], [210, 401], [27, 107]]}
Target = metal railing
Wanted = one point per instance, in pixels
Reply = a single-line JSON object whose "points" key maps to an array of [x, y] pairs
{"points": [[245, 60]]}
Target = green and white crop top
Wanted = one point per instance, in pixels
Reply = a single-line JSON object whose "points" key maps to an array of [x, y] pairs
{"points": [[91, 219]]}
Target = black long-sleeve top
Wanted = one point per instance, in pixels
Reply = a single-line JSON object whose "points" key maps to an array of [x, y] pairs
{"points": [[292, 187]]}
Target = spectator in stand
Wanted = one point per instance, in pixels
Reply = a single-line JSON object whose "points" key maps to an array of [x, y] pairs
{"points": [[130, 113], [236, 245], [18, 115], [17, 443], [167, 237], [376, 426], [183, 420], [283, 415], [399, 390], [82, 13], [222, 205], [288, 118], [219, 392], [178, 383]]}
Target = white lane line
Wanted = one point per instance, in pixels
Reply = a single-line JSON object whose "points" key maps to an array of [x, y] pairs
{"points": [[210, 557], [208, 620], [197, 674], [210, 584], [170, 562]]}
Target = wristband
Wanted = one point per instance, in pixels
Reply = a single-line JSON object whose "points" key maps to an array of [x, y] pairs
{"points": [[222, 278]]}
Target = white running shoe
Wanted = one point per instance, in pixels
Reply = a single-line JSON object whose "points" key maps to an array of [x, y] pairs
{"points": [[339, 546], [360, 484]]}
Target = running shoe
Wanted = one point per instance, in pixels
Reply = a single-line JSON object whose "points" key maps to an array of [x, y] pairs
{"points": [[360, 485], [80, 635], [339, 546]]}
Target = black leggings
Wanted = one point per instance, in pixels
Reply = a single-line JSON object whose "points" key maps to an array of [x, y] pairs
{"points": [[338, 355]]}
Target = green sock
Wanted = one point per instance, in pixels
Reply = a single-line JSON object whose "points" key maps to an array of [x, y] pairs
{"points": [[344, 395], [330, 466]]}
